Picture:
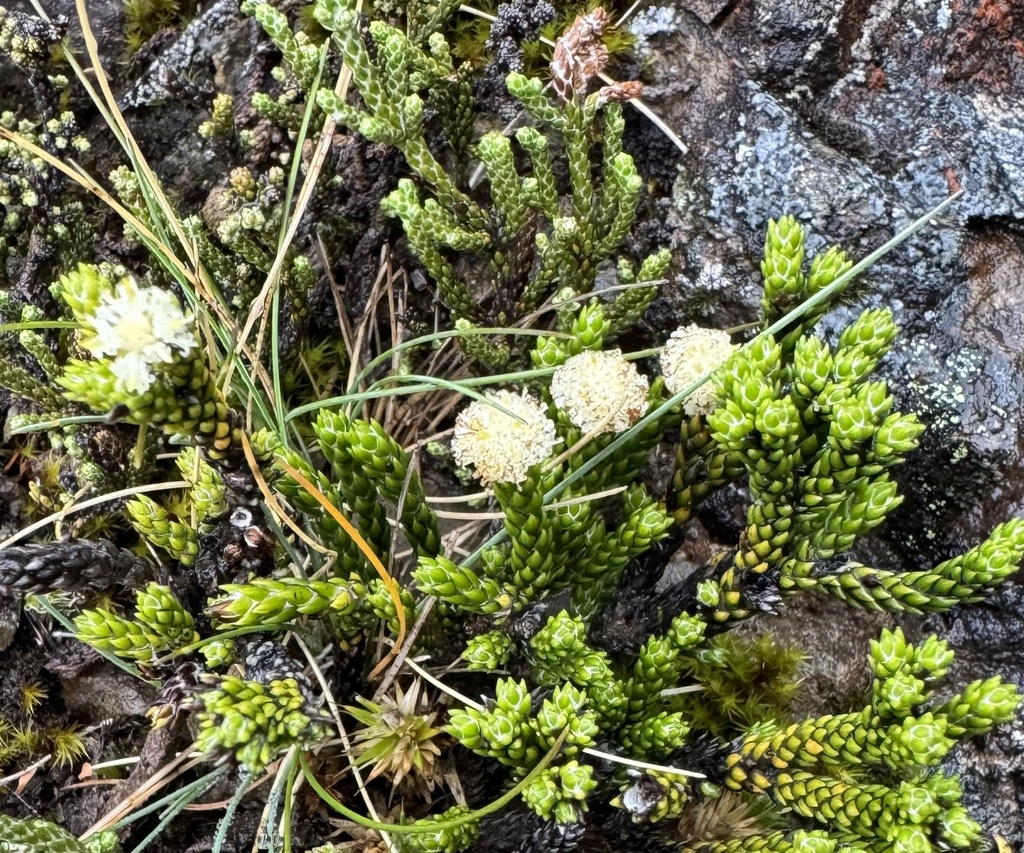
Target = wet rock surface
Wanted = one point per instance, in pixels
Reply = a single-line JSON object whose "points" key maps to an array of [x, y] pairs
{"points": [[857, 118]]}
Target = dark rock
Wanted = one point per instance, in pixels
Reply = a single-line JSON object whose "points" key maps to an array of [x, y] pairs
{"points": [[857, 118]]}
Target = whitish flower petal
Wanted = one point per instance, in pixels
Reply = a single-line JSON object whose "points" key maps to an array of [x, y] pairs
{"points": [[503, 448], [138, 329], [691, 353], [133, 372], [600, 391]]}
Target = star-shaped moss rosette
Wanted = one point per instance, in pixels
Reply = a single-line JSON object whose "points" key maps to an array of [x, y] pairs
{"points": [[147, 367]]}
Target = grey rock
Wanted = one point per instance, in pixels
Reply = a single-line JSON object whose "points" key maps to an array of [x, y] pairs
{"points": [[857, 119]]}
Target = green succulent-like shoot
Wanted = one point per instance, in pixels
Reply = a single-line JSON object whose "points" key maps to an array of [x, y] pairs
{"points": [[161, 625], [35, 835], [255, 722], [526, 242], [449, 839], [817, 438], [902, 732], [267, 446], [508, 733], [271, 603], [587, 328], [488, 651], [660, 663], [560, 793], [560, 653], [786, 282], [982, 705], [370, 466], [960, 580], [389, 89], [462, 587], [207, 494], [221, 123], [155, 524], [147, 367], [301, 56], [218, 653]]}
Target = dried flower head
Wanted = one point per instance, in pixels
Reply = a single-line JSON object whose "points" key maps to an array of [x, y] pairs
{"points": [[138, 328], [600, 391], [618, 93], [690, 353], [502, 447], [579, 54]]}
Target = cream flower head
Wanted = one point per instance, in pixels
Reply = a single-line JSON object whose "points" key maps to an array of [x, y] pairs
{"points": [[138, 329], [500, 447], [690, 353], [600, 390]]}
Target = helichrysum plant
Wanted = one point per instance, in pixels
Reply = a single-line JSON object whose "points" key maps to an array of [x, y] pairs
{"points": [[815, 437], [160, 625], [254, 721], [147, 366], [894, 795], [801, 424], [527, 241]]}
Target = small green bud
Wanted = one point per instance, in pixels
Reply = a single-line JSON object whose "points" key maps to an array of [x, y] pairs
{"points": [[924, 741], [513, 698], [851, 424], [498, 730], [933, 657], [577, 780], [958, 829], [873, 332], [708, 593], [812, 842], [890, 653], [918, 804], [911, 839], [826, 268], [464, 726], [778, 418], [488, 651], [542, 794], [901, 692], [686, 631], [812, 366]]}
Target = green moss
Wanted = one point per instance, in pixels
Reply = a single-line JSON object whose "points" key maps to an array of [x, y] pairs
{"points": [[143, 19], [745, 680]]}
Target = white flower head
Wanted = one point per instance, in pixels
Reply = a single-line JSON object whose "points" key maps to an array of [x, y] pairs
{"points": [[500, 447], [600, 391], [690, 353], [139, 329]]}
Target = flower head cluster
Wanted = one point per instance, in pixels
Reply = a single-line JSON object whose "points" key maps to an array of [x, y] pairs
{"points": [[138, 328], [503, 446], [600, 391], [690, 353]]}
